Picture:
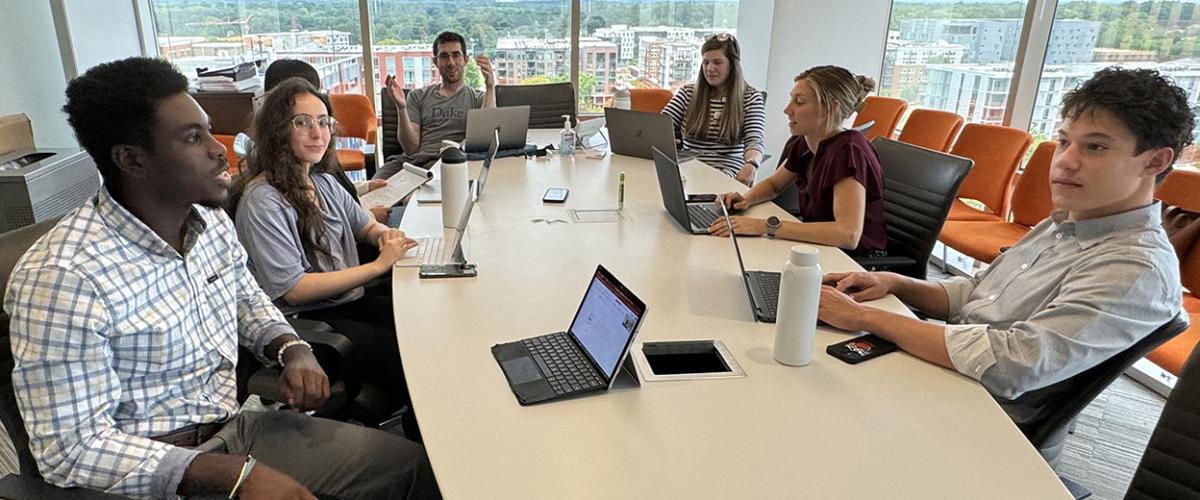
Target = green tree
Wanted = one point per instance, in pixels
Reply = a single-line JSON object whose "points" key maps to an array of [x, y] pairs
{"points": [[472, 76]]}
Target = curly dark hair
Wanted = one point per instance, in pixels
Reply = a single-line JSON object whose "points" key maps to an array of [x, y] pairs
{"points": [[449, 36], [282, 69], [115, 103], [1148, 103], [272, 158]]}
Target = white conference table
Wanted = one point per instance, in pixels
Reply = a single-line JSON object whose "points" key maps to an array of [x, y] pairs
{"points": [[892, 427]]}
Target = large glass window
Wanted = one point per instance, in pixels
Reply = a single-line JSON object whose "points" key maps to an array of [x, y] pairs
{"points": [[1088, 36], [645, 44], [527, 41], [213, 34], [955, 57]]}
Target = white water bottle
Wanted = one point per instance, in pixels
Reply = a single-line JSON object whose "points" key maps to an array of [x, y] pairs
{"points": [[455, 186], [799, 295]]}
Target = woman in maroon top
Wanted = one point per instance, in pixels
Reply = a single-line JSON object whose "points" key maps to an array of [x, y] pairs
{"points": [[837, 170]]}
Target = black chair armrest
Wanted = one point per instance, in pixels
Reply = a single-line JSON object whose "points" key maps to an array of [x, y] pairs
{"points": [[32, 488], [884, 263]]}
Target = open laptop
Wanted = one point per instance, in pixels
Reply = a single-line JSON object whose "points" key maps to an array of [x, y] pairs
{"points": [[693, 216], [633, 133], [432, 254], [762, 287], [512, 121], [587, 357]]}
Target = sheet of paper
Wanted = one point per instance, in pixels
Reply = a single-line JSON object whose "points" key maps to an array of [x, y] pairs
{"points": [[398, 186]]}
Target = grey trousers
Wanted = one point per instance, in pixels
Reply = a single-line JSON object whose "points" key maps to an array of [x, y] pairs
{"points": [[332, 459]]}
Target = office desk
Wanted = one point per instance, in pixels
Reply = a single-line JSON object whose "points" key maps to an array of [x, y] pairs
{"points": [[893, 427]]}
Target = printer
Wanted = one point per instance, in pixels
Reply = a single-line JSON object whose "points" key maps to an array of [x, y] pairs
{"points": [[41, 184]]}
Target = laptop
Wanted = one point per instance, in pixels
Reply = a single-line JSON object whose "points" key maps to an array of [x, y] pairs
{"points": [[450, 260], [633, 133], [585, 358], [693, 216], [762, 287], [512, 121]]}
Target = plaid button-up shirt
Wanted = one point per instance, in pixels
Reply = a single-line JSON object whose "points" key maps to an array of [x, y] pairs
{"points": [[117, 337]]}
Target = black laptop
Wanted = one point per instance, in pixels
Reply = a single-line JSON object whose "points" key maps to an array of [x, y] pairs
{"points": [[761, 286], [586, 357], [695, 216]]}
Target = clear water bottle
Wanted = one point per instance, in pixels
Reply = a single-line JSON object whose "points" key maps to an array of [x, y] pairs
{"points": [[799, 296], [567, 138]]}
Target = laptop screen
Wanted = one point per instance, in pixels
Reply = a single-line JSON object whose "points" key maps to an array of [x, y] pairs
{"points": [[606, 321]]}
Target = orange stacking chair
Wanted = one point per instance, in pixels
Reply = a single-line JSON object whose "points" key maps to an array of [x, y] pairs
{"points": [[997, 152], [1181, 189], [886, 111], [227, 140], [355, 115], [931, 129], [983, 240], [649, 100]]}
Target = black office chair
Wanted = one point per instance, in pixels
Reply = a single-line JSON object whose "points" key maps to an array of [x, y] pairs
{"points": [[390, 145], [919, 186], [1045, 414], [1170, 468], [547, 102]]}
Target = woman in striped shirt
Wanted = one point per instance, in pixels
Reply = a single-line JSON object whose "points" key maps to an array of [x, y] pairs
{"points": [[720, 117]]}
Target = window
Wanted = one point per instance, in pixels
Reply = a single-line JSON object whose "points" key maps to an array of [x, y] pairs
{"points": [[955, 57], [1090, 36], [211, 34], [622, 43], [646, 44], [527, 41]]}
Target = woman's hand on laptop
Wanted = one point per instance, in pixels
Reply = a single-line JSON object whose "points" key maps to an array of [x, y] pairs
{"points": [[747, 226], [734, 201]]}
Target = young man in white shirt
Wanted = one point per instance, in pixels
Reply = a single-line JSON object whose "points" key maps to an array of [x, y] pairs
{"points": [[1085, 284]]}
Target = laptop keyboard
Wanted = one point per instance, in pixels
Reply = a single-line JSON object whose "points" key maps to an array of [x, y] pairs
{"points": [[562, 363], [702, 215], [768, 285]]}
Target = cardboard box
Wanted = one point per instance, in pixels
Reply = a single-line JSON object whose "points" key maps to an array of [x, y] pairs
{"points": [[15, 133]]}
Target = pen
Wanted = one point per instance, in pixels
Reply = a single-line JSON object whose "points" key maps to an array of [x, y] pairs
{"points": [[621, 191]]}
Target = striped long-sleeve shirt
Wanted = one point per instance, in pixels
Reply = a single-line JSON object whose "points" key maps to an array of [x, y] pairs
{"points": [[728, 158]]}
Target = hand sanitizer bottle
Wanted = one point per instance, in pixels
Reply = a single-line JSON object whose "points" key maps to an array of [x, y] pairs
{"points": [[567, 139]]}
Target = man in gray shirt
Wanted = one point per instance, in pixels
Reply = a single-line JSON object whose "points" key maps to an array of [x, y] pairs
{"points": [[1085, 284], [429, 115]]}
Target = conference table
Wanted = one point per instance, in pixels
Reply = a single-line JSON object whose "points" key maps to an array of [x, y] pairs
{"points": [[891, 427]]}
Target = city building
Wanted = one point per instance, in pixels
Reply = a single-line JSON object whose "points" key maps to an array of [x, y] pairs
{"points": [[411, 64], [990, 41], [904, 64]]}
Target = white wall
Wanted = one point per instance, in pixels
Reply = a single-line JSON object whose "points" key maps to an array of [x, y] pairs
{"points": [[802, 34], [34, 67], [31, 72]]}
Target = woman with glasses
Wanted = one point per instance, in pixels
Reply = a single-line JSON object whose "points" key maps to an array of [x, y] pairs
{"points": [[720, 117], [299, 227], [836, 170]]}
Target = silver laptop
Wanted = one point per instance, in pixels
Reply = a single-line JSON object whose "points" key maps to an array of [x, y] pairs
{"points": [[512, 121], [693, 216], [633, 133]]}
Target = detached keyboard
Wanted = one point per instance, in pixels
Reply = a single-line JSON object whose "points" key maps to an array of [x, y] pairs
{"points": [[429, 250], [562, 363]]}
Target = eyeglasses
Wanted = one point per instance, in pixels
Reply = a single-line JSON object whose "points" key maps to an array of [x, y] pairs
{"points": [[446, 56], [721, 37], [306, 123]]}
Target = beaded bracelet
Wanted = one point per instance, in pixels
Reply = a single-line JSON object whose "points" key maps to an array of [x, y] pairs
{"points": [[290, 343]]}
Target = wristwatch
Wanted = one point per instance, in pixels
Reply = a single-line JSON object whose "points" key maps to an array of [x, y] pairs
{"points": [[755, 161], [772, 226]]}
